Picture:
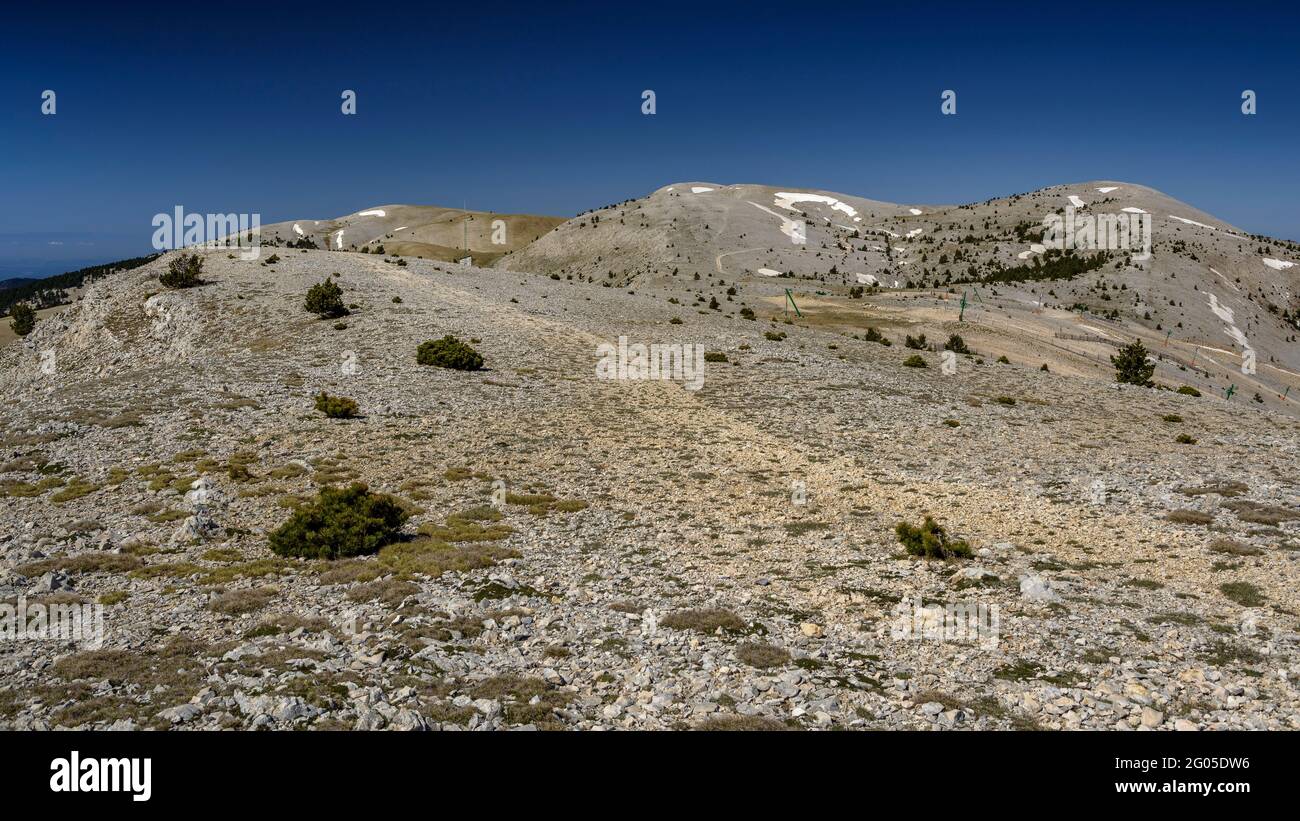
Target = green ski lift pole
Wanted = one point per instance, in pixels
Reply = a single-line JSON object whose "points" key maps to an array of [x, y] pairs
{"points": [[789, 297]]}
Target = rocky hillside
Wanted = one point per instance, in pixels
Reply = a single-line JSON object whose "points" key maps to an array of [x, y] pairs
{"points": [[422, 231], [1207, 299], [589, 553]]}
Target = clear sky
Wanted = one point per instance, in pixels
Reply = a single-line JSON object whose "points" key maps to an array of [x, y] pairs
{"points": [[229, 107]]}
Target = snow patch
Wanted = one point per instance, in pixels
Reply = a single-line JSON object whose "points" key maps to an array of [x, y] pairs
{"points": [[867, 279], [1107, 189], [1076, 202], [1277, 264], [376, 212], [699, 189], [1132, 210], [787, 199], [1192, 222], [916, 212], [768, 272], [297, 230], [338, 239]]}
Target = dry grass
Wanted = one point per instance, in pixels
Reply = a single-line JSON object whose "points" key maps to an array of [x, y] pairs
{"points": [[706, 620]]}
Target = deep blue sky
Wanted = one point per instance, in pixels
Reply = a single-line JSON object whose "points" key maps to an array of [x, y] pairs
{"points": [[225, 107]]}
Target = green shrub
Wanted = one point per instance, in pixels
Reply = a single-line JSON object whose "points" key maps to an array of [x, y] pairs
{"points": [[1188, 390], [22, 319], [449, 352], [872, 335], [325, 300], [930, 540], [715, 356], [955, 344], [338, 523], [915, 361], [916, 343], [183, 272], [336, 407], [1184, 439], [747, 313], [1003, 360], [774, 336], [1131, 365]]}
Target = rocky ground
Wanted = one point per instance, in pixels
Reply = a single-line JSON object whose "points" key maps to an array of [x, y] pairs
{"points": [[663, 558]]}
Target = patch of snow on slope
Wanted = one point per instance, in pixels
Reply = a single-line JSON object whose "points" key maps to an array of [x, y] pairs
{"points": [[1192, 222], [1225, 279], [338, 239], [1277, 264], [1107, 189], [297, 230], [1076, 202], [699, 189], [787, 199], [914, 232], [377, 212], [768, 272], [867, 279], [916, 212], [788, 226]]}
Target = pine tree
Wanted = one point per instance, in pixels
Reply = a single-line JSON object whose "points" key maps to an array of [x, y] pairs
{"points": [[1131, 365]]}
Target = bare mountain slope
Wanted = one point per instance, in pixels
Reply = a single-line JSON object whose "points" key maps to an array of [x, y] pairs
{"points": [[1208, 298], [427, 231], [663, 557]]}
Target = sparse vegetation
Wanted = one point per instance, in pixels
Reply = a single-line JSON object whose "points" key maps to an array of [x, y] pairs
{"points": [[22, 319], [325, 299], [336, 407], [449, 352], [183, 271], [930, 541], [349, 522]]}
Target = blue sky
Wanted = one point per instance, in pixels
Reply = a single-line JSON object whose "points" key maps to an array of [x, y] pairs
{"points": [[235, 108]]}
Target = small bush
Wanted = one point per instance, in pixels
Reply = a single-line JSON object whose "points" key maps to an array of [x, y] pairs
{"points": [[1188, 390], [338, 523], [1002, 360], [1243, 593], [239, 602], [1184, 439], [872, 335], [336, 407], [930, 540], [955, 344], [1006, 400], [704, 621], [325, 300], [915, 361], [916, 343], [449, 352], [715, 356], [774, 336], [22, 319], [183, 272], [762, 655], [747, 313]]}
